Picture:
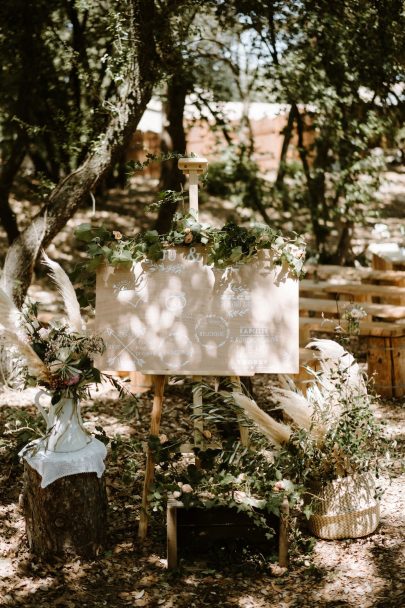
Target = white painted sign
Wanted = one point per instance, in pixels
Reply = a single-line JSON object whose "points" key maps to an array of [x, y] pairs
{"points": [[180, 316]]}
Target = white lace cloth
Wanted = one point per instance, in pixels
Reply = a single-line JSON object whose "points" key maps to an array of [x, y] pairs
{"points": [[54, 465]]}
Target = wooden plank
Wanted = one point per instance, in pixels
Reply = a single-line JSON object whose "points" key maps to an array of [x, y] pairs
{"points": [[367, 328], [352, 288], [349, 272], [180, 316], [380, 367], [387, 311], [140, 383], [386, 363], [171, 528], [398, 359], [159, 383]]}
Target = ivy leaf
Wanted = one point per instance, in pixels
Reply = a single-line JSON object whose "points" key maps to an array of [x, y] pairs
{"points": [[84, 233]]}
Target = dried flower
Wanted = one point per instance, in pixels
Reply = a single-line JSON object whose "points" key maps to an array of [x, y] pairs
{"points": [[43, 333], [67, 356], [355, 312], [73, 380], [117, 235], [186, 488]]}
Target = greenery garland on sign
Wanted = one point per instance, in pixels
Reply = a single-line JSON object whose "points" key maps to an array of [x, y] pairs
{"points": [[227, 246]]}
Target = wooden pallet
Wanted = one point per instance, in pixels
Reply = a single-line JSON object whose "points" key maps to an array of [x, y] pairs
{"points": [[384, 326], [385, 352], [357, 292], [389, 312], [349, 273]]}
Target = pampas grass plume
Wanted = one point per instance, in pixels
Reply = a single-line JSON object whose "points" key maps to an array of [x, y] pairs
{"points": [[276, 432], [68, 293]]}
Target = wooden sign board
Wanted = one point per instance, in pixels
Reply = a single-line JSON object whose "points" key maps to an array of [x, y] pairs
{"points": [[180, 316]]}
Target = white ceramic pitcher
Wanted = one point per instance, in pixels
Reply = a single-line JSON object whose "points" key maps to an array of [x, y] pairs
{"points": [[64, 425]]}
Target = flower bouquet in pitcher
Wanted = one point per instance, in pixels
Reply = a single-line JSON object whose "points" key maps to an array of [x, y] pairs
{"points": [[58, 358]]}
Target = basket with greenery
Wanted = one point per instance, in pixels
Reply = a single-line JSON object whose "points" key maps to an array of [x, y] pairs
{"points": [[333, 444]]}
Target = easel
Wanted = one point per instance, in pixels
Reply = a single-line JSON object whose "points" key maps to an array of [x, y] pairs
{"points": [[157, 408], [193, 167]]}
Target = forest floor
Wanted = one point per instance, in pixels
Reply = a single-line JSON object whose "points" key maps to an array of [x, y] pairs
{"points": [[358, 573]]}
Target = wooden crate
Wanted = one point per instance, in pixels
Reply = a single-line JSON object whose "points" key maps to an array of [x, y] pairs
{"points": [[200, 528], [385, 351]]}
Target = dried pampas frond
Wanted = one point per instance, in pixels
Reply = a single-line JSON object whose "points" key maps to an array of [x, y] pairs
{"points": [[68, 293], [301, 410], [12, 329], [276, 432], [295, 406], [334, 359]]}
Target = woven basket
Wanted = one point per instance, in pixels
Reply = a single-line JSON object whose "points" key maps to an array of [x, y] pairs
{"points": [[346, 508]]}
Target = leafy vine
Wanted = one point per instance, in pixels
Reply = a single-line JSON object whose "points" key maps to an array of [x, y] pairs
{"points": [[227, 246]]}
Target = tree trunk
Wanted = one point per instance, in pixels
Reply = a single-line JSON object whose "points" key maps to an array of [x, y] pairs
{"points": [[7, 216], [343, 250], [318, 229], [68, 517], [144, 71], [8, 171], [173, 140], [279, 183]]}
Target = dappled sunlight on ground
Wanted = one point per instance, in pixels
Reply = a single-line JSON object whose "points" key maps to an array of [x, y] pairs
{"points": [[361, 573]]}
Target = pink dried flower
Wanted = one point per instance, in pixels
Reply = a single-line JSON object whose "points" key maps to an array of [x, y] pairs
{"points": [[73, 380]]}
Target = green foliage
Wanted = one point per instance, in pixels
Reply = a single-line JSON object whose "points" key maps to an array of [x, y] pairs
{"points": [[59, 76], [237, 177], [234, 476], [20, 429], [345, 437], [135, 165], [167, 197], [340, 77], [353, 444], [227, 246]]}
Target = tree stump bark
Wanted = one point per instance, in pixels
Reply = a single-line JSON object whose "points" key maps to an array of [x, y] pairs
{"points": [[66, 518]]}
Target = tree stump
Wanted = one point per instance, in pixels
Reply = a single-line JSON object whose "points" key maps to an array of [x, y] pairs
{"points": [[66, 518]]}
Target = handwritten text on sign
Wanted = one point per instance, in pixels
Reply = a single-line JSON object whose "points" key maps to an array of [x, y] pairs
{"points": [[180, 316]]}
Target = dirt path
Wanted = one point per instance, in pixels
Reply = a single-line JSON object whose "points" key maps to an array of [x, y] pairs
{"points": [[358, 573]]}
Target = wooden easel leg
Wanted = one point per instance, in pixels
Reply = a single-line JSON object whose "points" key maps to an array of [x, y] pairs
{"points": [[197, 411], [159, 384], [283, 539], [171, 535], [243, 430]]}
